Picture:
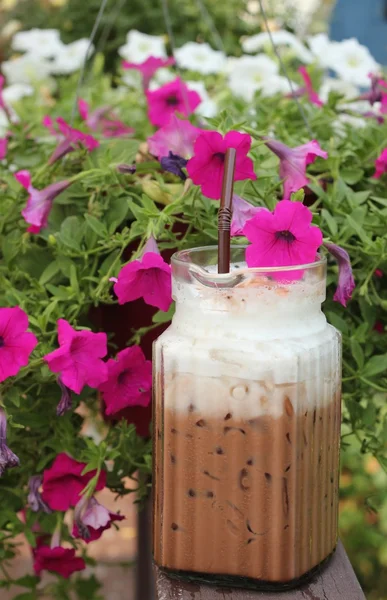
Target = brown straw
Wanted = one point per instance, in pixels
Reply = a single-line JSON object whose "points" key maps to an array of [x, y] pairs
{"points": [[225, 212]]}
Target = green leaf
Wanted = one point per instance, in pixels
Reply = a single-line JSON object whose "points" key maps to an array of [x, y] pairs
{"points": [[28, 581], [118, 209], [337, 322], [72, 232], [13, 395], [10, 245], [122, 151], [357, 353], [164, 317], [352, 176], [73, 279], [357, 225], [86, 588], [107, 263], [298, 196], [96, 225], [331, 221], [376, 364], [369, 414], [49, 272]]}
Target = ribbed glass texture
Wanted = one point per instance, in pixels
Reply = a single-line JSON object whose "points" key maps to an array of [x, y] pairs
{"points": [[246, 424]]}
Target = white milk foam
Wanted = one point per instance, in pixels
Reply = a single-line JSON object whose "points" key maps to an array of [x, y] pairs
{"points": [[243, 349]]}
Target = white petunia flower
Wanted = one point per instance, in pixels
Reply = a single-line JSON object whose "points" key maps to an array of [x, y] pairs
{"points": [[72, 57], [320, 45], [251, 73], [207, 107], [344, 88], [26, 69], [280, 38], [41, 42], [4, 123], [200, 58], [140, 46], [163, 76], [351, 61], [17, 91]]}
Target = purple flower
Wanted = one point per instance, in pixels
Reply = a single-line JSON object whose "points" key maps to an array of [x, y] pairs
{"points": [[293, 163], [242, 211], [346, 282], [39, 202], [174, 164], [7, 458], [35, 499], [65, 403]]}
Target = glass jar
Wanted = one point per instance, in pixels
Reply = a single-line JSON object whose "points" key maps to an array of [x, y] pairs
{"points": [[246, 424]]}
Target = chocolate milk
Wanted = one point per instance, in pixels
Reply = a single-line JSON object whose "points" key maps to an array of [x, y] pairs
{"points": [[246, 434]]}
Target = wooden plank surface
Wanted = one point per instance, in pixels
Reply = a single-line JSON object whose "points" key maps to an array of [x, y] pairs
{"points": [[336, 581]]}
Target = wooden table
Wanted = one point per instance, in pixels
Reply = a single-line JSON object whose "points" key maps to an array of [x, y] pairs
{"points": [[336, 581]]}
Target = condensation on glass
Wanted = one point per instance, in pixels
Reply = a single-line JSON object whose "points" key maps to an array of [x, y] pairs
{"points": [[247, 384]]}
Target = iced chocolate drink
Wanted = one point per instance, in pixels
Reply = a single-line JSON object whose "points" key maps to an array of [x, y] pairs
{"points": [[246, 425]]}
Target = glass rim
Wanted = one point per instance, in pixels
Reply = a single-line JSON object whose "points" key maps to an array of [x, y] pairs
{"points": [[177, 260]]}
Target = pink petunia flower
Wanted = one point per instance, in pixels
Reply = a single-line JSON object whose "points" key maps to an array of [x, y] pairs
{"points": [[63, 482], [170, 98], [69, 138], [242, 211], [129, 381], [206, 167], [381, 164], [91, 519], [378, 273], [39, 202], [282, 238], [78, 360], [16, 343], [293, 163], [346, 282], [8, 459], [149, 67], [148, 277], [308, 88], [3, 147], [178, 136], [57, 560], [100, 122]]}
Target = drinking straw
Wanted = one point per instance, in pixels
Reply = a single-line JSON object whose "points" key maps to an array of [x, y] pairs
{"points": [[225, 212]]}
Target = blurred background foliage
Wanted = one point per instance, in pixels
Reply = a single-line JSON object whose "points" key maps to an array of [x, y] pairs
{"points": [[363, 505]]}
